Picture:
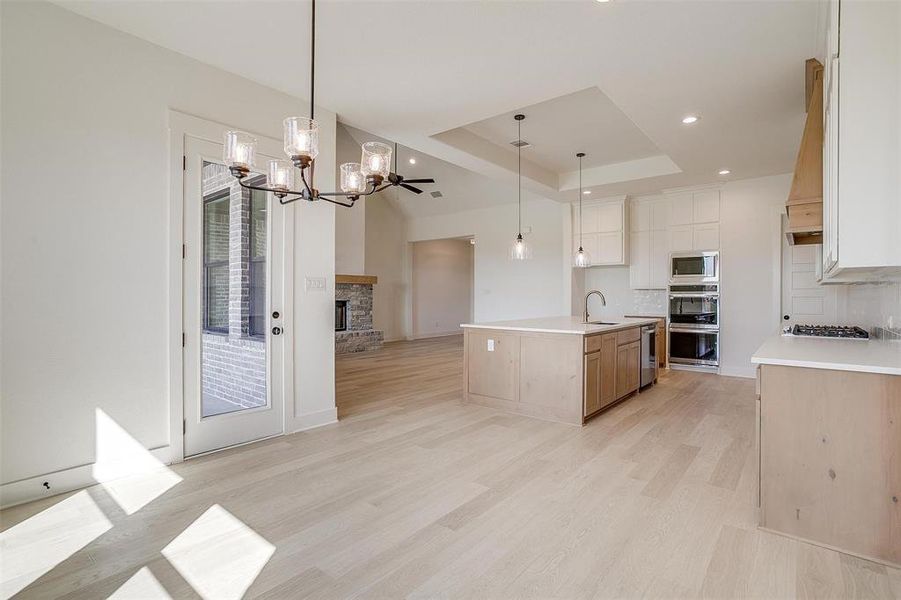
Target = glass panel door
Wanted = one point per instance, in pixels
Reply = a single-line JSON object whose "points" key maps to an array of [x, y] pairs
{"points": [[229, 291]]}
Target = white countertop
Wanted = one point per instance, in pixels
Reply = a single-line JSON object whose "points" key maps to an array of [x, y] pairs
{"points": [[571, 325], [867, 356]]}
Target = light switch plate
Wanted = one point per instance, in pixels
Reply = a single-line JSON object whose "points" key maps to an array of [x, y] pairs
{"points": [[314, 284], [490, 345]]}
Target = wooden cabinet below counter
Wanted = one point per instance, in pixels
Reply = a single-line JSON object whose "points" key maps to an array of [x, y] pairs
{"points": [[830, 458], [600, 373]]}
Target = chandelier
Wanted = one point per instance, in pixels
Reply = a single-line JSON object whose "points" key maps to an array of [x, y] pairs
{"points": [[301, 135]]}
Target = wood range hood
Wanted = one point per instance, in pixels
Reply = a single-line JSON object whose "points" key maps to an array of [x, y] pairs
{"points": [[805, 200]]}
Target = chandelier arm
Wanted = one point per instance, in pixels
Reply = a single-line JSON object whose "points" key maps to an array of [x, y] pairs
{"points": [[262, 188], [344, 204]]}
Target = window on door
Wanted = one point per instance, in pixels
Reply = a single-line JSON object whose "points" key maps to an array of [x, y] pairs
{"points": [[257, 266], [215, 262]]}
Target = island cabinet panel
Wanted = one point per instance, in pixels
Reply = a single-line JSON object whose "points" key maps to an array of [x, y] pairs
{"points": [[628, 373], [830, 459], [493, 364], [592, 402], [608, 369], [550, 376], [600, 373]]}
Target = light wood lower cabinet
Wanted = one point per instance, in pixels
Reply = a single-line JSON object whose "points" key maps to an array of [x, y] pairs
{"points": [[554, 376], [600, 373], [628, 368], [830, 459]]}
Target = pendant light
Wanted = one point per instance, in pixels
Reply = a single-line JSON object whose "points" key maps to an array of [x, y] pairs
{"points": [[581, 258], [520, 250]]}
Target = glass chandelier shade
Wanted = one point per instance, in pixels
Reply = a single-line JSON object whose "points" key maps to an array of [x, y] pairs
{"points": [[352, 179], [280, 175], [520, 250], [240, 150], [581, 258], [376, 159], [301, 137]]}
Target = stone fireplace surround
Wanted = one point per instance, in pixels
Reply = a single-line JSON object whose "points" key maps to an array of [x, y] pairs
{"points": [[359, 336]]}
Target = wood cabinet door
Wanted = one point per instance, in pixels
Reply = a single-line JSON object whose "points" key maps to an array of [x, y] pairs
{"points": [[634, 366], [592, 389], [622, 370], [628, 368], [608, 369], [661, 346]]}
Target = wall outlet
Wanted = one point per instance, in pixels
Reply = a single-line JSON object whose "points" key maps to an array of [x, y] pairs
{"points": [[490, 345], [314, 284]]}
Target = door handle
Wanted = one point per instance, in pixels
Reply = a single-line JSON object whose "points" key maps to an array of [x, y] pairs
{"points": [[276, 331]]}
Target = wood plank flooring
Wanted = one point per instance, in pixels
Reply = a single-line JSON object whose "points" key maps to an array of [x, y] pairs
{"points": [[415, 495]]}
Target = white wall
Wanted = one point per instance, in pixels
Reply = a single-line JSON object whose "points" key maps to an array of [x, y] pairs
{"points": [[442, 286], [386, 243], [750, 251], [85, 275], [504, 288], [350, 223]]}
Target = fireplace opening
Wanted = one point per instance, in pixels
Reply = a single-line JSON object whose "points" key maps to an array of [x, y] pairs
{"points": [[340, 315]]}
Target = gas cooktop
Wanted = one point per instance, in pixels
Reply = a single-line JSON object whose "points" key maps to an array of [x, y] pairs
{"points": [[830, 331]]}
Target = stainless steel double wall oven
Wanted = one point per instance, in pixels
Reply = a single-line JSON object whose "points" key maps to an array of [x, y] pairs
{"points": [[694, 309]]}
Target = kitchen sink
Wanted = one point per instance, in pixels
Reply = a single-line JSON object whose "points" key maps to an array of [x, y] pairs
{"points": [[601, 323]]}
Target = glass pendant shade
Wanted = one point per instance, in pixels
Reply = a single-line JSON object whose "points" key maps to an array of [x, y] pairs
{"points": [[352, 179], [376, 159], [281, 175], [581, 258], [301, 137], [520, 250], [240, 150]]}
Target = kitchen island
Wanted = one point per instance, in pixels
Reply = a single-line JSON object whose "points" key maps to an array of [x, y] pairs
{"points": [[554, 368], [829, 438]]}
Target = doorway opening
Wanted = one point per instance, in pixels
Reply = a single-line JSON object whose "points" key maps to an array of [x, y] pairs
{"points": [[442, 285]]}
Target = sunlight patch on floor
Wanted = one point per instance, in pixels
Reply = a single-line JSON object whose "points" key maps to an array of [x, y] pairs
{"points": [[219, 555], [128, 472], [141, 585], [36, 545]]}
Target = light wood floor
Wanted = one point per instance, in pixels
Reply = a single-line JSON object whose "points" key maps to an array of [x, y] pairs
{"points": [[415, 495]]}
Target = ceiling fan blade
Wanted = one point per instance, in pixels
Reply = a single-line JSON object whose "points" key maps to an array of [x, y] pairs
{"points": [[427, 180], [411, 188]]}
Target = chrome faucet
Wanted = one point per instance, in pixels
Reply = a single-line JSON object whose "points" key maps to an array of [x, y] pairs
{"points": [[587, 296]]}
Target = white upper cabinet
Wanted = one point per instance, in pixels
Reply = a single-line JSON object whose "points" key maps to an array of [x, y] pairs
{"points": [[862, 143], [682, 206], [641, 216], [605, 231], [650, 246], [705, 237], [706, 206]]}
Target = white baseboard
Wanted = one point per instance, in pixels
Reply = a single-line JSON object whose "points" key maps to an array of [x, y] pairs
{"points": [[437, 334], [313, 420], [746, 372], [59, 482]]}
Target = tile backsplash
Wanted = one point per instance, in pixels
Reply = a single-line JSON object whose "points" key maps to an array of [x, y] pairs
{"points": [[869, 305]]}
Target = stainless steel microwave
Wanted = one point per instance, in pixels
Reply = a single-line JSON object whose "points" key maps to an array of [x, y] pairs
{"points": [[692, 267]]}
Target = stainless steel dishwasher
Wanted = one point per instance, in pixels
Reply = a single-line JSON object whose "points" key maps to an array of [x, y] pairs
{"points": [[648, 354]]}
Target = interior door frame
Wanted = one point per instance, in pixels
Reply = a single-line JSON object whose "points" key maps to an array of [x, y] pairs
{"points": [[180, 126]]}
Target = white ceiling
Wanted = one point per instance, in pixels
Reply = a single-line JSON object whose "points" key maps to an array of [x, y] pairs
{"points": [[461, 188], [584, 121], [421, 72]]}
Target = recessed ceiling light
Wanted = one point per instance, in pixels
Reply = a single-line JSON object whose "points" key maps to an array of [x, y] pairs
{"points": [[603, 1], [725, 171], [587, 192], [689, 119], [412, 161]]}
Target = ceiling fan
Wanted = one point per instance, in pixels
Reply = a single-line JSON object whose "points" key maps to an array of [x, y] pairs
{"points": [[395, 179]]}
